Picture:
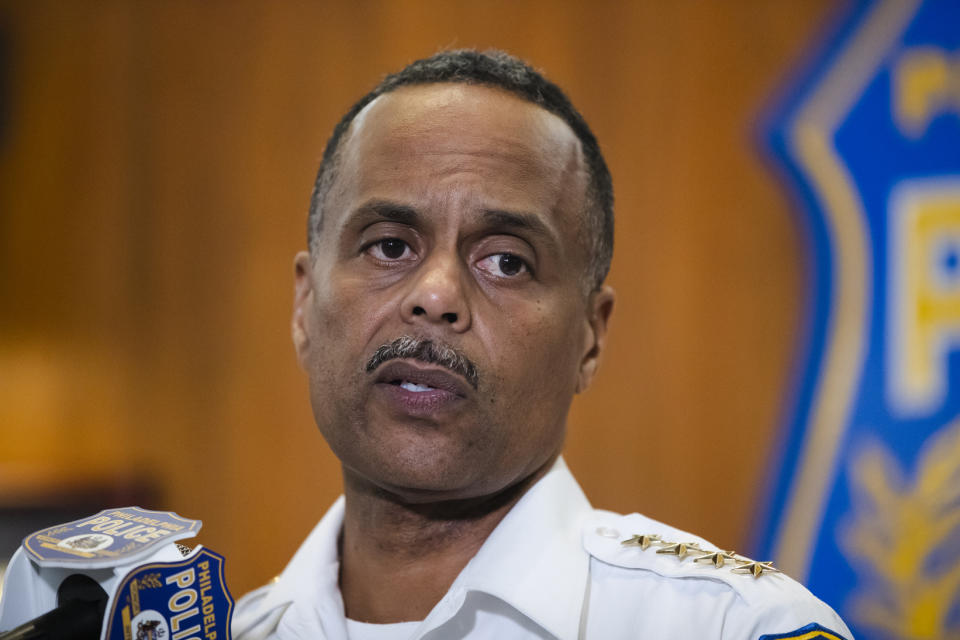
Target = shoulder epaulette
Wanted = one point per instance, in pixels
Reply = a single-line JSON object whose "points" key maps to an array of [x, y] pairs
{"points": [[637, 542], [697, 553]]}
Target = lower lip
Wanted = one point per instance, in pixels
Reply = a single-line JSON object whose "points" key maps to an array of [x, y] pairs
{"points": [[418, 403]]}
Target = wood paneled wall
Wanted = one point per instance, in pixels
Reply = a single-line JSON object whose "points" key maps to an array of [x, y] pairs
{"points": [[156, 160]]}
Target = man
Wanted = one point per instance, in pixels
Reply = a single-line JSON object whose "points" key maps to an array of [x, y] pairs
{"points": [[449, 307]]}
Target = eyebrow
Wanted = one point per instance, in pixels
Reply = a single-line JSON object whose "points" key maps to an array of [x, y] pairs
{"points": [[389, 211], [494, 218], [518, 221]]}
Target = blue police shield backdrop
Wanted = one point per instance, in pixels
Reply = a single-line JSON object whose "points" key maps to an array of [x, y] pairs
{"points": [[865, 505]]}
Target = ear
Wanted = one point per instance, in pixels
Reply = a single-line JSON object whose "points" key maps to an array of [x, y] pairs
{"points": [[599, 309], [302, 300]]}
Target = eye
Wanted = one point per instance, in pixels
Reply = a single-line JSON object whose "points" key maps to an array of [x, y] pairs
{"points": [[389, 249], [504, 265]]}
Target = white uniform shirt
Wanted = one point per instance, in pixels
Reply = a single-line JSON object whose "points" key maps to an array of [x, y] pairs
{"points": [[554, 568]]}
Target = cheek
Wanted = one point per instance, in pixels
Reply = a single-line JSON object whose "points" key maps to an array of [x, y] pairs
{"points": [[349, 320], [348, 313], [339, 350], [337, 344], [539, 355], [554, 332]]}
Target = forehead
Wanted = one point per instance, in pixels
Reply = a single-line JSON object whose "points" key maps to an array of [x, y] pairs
{"points": [[425, 136]]}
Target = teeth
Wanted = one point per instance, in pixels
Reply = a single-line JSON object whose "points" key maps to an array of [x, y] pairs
{"points": [[411, 386]]}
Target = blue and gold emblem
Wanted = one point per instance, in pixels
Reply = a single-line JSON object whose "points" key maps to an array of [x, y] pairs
{"points": [[809, 632], [110, 538], [185, 600], [866, 504]]}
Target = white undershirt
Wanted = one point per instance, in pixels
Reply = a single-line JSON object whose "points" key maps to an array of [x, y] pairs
{"points": [[369, 631]]}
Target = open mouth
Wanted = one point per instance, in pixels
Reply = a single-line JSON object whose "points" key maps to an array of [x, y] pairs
{"points": [[419, 390], [412, 386], [421, 378]]}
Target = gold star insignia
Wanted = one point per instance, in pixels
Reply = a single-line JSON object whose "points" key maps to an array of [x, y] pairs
{"points": [[716, 558], [756, 569], [642, 541], [679, 549]]}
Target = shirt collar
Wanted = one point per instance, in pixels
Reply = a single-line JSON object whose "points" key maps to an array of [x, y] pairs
{"points": [[310, 580], [534, 560]]}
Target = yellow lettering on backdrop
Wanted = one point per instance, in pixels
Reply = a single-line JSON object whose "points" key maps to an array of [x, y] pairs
{"points": [[924, 307], [926, 83]]}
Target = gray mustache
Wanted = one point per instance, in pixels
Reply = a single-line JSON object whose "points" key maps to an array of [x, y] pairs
{"points": [[425, 351]]}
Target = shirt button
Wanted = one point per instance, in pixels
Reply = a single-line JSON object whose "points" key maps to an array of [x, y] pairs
{"points": [[607, 532]]}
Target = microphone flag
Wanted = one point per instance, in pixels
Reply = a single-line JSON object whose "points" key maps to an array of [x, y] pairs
{"points": [[173, 601], [150, 588]]}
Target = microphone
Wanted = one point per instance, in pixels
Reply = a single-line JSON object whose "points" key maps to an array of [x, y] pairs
{"points": [[116, 575], [78, 616]]}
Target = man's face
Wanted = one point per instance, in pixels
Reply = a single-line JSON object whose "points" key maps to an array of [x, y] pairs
{"points": [[455, 217]]}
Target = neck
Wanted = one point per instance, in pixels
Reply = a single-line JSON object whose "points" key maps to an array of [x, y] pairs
{"points": [[397, 560]]}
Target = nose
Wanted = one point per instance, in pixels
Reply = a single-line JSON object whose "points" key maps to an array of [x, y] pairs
{"points": [[437, 295]]}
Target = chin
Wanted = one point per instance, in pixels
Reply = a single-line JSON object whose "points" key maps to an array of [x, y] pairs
{"points": [[428, 474]]}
